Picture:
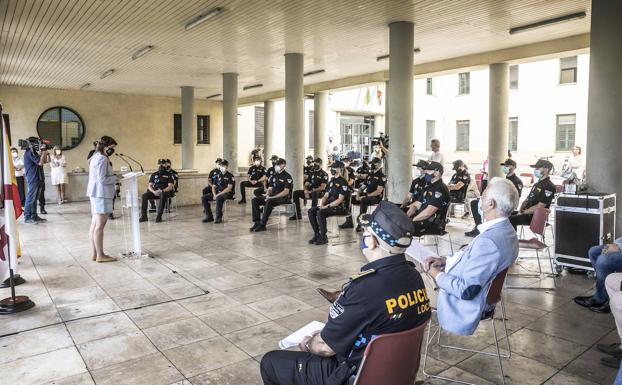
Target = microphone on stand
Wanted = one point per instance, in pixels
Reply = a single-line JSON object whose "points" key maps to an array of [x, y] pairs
{"points": [[135, 161], [126, 162]]}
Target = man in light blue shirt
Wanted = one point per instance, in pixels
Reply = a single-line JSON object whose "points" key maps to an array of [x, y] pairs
{"points": [[463, 280]]}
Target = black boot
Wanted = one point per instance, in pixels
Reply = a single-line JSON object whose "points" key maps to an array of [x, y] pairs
{"points": [[348, 224], [208, 218], [143, 218], [315, 238], [295, 217], [159, 219], [255, 226], [321, 240]]}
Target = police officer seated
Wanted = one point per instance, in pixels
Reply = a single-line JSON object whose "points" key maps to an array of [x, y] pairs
{"points": [[314, 187], [348, 173], [261, 190], [221, 191], [212, 177], [174, 175], [254, 179], [509, 169], [431, 214], [415, 192], [361, 173], [152, 205], [160, 187], [333, 203], [279, 187], [387, 296], [459, 182], [370, 193], [541, 194]]}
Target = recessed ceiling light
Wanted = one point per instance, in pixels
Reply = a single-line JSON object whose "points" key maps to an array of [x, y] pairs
{"points": [[204, 17], [252, 86], [107, 73], [311, 73], [85, 86], [213, 96], [142, 51], [384, 57], [545, 23]]}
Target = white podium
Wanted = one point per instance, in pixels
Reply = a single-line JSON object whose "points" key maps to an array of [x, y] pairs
{"points": [[130, 203]]}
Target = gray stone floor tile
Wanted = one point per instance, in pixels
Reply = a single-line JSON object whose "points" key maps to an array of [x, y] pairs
{"points": [[254, 293], [588, 366], [203, 356], [113, 350], [259, 339], [236, 318], [177, 333], [245, 372], [78, 379], [103, 326], [296, 321], [153, 369], [34, 342], [279, 307], [158, 314], [57, 364], [569, 327], [207, 303], [563, 378], [518, 369], [87, 309]]}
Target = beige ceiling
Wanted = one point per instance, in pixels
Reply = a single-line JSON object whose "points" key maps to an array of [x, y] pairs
{"points": [[67, 43]]}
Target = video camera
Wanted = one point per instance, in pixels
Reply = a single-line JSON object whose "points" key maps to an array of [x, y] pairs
{"points": [[35, 143], [384, 139]]}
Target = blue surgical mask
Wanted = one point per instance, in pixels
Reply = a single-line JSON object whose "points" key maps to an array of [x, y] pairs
{"points": [[427, 178], [364, 247], [537, 173], [506, 169]]}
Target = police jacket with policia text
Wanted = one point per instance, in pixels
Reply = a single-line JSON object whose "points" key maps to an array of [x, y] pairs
{"points": [[388, 296], [436, 194], [316, 178], [541, 192], [338, 186]]}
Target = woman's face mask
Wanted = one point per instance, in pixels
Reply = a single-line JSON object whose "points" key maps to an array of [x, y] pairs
{"points": [[537, 173], [506, 169], [14, 153], [365, 249], [58, 152]]}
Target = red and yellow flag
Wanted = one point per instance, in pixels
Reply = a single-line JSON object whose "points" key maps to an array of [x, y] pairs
{"points": [[9, 240]]}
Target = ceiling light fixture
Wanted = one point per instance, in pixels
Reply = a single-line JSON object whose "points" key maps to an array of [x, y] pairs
{"points": [[107, 73], [252, 86], [545, 23], [85, 86], [213, 96], [311, 73], [142, 51], [384, 57], [204, 17]]}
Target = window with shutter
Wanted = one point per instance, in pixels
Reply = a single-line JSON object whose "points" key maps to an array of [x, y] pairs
{"points": [[462, 135], [311, 128], [430, 128], [176, 128], [513, 134], [464, 83], [514, 77], [566, 130], [203, 129], [568, 70], [259, 126]]}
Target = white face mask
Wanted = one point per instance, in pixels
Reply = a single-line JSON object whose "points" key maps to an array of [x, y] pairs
{"points": [[278, 168], [14, 154], [257, 163], [58, 152]]}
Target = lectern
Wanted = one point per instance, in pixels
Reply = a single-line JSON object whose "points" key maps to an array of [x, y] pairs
{"points": [[130, 203]]}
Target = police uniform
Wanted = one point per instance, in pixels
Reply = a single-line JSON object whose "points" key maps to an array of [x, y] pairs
{"points": [[159, 181], [277, 183], [374, 181], [541, 192], [337, 187], [387, 296], [351, 178], [261, 190], [212, 178], [458, 196], [317, 177], [222, 181], [361, 175], [435, 194], [517, 182], [417, 187], [255, 173]]}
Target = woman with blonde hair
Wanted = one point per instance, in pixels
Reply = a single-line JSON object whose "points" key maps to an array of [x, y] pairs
{"points": [[101, 191], [58, 164]]}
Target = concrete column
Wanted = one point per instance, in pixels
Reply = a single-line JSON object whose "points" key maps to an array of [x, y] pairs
{"points": [[268, 131], [294, 117], [188, 128], [498, 96], [230, 120], [401, 42], [320, 104], [604, 136], [386, 107]]}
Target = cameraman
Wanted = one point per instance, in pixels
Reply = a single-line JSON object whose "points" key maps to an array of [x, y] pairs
{"points": [[33, 165]]}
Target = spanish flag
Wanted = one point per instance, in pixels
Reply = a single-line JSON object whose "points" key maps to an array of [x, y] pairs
{"points": [[9, 239]]}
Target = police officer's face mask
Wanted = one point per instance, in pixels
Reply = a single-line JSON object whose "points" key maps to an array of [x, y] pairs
{"points": [[366, 249], [333, 172], [428, 176], [257, 163]]}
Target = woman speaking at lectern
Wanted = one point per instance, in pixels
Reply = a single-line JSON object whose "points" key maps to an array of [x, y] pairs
{"points": [[101, 191]]}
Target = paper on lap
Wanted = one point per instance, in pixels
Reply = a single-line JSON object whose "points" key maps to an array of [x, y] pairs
{"points": [[296, 337], [419, 252]]}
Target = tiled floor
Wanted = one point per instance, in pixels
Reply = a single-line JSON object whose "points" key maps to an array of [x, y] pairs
{"points": [[152, 321]]}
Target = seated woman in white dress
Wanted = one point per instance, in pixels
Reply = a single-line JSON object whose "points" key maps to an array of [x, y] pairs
{"points": [[58, 164]]}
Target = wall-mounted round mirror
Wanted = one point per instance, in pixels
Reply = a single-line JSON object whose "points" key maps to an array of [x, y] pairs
{"points": [[62, 126]]}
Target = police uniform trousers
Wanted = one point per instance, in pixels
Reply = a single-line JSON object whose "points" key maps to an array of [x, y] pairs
{"points": [[365, 202], [259, 191], [247, 184], [267, 210], [520, 220], [220, 202], [283, 367], [149, 195], [300, 194], [317, 217], [426, 227]]}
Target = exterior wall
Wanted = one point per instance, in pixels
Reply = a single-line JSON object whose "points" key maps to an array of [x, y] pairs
{"points": [[142, 125]]}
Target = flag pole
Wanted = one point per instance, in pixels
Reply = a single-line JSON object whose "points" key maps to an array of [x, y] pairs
{"points": [[15, 303]]}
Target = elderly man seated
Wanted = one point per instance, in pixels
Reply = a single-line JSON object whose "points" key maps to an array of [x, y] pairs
{"points": [[606, 259], [460, 282]]}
